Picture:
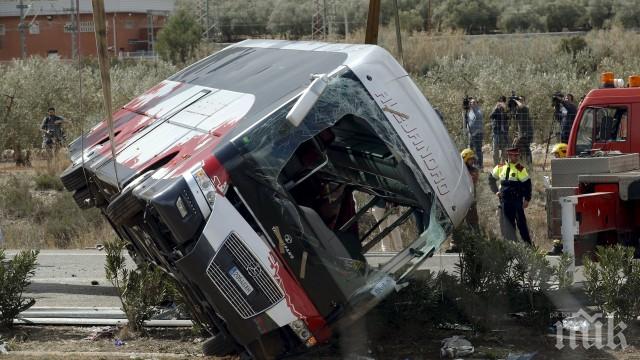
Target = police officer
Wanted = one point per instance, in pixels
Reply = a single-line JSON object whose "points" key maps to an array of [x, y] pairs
{"points": [[514, 191]]}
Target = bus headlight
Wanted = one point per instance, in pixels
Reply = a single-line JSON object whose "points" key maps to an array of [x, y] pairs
{"points": [[205, 185], [303, 333]]}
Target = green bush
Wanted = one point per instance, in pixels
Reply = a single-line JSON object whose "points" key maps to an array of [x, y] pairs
{"points": [[14, 279], [613, 283], [499, 277], [430, 299], [573, 45], [46, 181], [140, 290], [494, 278]]}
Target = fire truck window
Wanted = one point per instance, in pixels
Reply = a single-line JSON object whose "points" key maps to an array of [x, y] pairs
{"points": [[611, 124], [620, 126], [584, 141]]}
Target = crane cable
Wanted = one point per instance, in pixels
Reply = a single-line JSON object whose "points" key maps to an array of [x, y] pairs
{"points": [[99, 20], [82, 119]]}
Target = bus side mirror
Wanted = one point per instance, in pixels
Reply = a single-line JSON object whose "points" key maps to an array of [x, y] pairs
{"points": [[307, 100]]}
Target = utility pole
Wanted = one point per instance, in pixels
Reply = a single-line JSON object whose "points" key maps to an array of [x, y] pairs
{"points": [[373, 20], [74, 31], [21, 27], [429, 16], [150, 40], [346, 24], [325, 25], [330, 16]]}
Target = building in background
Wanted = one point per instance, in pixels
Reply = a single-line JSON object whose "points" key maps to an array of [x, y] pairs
{"points": [[49, 27]]}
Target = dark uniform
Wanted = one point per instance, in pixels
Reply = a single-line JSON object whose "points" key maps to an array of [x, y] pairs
{"points": [[500, 129], [515, 188], [525, 133], [567, 121], [53, 133]]}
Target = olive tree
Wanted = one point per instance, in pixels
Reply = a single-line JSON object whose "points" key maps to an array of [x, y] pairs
{"points": [[180, 37]]}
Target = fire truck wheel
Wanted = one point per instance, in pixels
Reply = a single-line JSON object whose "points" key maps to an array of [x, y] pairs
{"points": [[124, 208], [218, 345], [73, 178], [83, 198]]}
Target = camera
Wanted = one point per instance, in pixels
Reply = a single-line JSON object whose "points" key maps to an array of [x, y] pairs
{"points": [[465, 103], [513, 100], [556, 99]]}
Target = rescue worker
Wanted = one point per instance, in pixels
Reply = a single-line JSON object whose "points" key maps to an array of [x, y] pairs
{"points": [[559, 150], [514, 192], [469, 158]]}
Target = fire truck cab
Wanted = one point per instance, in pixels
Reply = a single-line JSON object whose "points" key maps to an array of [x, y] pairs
{"points": [[595, 191]]}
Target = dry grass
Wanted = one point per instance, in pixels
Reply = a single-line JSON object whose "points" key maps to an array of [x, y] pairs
{"points": [[36, 213]]}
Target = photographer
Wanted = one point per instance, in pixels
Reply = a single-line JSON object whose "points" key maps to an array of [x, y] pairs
{"points": [[519, 112], [500, 130], [473, 123], [564, 112]]}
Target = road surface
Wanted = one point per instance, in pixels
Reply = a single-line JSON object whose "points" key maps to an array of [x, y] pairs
{"points": [[64, 278]]}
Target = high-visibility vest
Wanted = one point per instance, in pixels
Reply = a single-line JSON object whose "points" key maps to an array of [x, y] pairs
{"points": [[510, 172]]}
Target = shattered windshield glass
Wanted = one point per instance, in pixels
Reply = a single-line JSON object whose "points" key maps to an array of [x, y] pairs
{"points": [[345, 146]]}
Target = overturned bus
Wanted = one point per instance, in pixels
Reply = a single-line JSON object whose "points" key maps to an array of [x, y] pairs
{"points": [[250, 177]]}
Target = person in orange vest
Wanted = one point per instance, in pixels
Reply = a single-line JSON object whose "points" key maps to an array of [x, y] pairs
{"points": [[511, 183]]}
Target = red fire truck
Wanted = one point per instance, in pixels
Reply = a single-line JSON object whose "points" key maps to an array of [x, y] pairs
{"points": [[595, 192]]}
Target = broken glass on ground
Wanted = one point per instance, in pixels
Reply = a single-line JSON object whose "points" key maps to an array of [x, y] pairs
{"points": [[456, 346]]}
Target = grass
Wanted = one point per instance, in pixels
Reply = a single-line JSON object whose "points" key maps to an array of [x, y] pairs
{"points": [[34, 218]]}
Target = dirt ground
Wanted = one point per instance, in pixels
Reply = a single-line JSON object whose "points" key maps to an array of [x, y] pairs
{"points": [[418, 341]]}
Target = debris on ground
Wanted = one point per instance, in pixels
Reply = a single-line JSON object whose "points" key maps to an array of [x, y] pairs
{"points": [[95, 282], [3, 347], [170, 312], [455, 326], [106, 332], [358, 357], [576, 323], [528, 356], [119, 343], [456, 346]]}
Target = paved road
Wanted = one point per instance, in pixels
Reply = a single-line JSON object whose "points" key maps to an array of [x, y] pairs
{"points": [[63, 277]]}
